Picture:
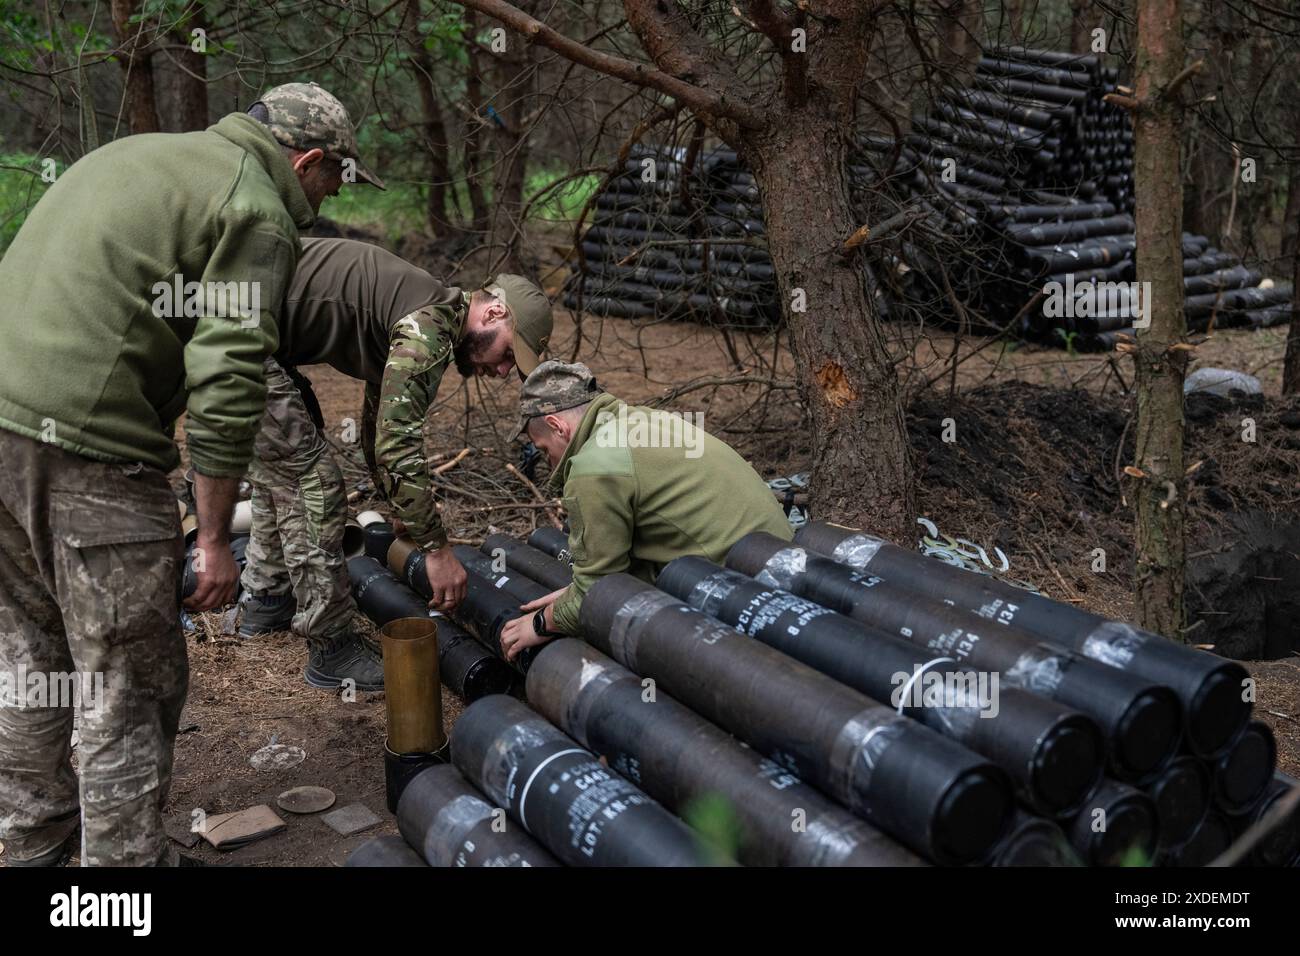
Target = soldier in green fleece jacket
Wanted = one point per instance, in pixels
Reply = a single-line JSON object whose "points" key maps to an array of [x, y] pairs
{"points": [[145, 283], [642, 486]]}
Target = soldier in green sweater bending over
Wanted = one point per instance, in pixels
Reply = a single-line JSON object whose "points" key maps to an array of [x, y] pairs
{"points": [[642, 486], [101, 356]]}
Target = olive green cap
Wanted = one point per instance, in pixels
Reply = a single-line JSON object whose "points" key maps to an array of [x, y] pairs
{"points": [[531, 311]]}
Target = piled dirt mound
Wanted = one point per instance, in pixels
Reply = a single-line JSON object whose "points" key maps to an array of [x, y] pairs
{"points": [[1038, 472]]}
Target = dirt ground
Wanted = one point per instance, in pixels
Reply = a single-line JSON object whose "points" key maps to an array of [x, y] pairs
{"points": [[1033, 472]]}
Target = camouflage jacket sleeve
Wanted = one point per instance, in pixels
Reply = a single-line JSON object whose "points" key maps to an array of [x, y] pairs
{"points": [[419, 350]]}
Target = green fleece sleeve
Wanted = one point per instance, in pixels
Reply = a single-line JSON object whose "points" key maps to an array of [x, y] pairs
{"points": [[245, 281], [601, 509], [419, 349]]}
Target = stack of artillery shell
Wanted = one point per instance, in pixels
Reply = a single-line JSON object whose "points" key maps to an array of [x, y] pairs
{"points": [[763, 702], [669, 241], [1028, 172]]}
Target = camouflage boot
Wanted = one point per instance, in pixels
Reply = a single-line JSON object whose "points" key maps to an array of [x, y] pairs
{"points": [[264, 613], [346, 657], [58, 856]]}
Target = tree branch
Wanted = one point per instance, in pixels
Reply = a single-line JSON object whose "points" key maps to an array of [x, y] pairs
{"points": [[774, 24], [697, 98], [779, 28], [667, 37]]}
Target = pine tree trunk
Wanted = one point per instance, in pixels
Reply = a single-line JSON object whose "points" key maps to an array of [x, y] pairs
{"points": [[862, 470], [191, 82], [1291, 364], [1159, 498], [514, 83], [959, 31], [479, 212], [137, 69], [1291, 253], [1085, 16], [438, 208]]}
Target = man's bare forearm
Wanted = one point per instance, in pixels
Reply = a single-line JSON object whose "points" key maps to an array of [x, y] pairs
{"points": [[214, 499]]}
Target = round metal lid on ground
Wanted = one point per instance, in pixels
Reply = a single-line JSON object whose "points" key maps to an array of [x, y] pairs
{"points": [[305, 800]]}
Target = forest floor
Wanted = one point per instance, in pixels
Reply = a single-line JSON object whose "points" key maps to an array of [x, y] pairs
{"points": [[1034, 470]]}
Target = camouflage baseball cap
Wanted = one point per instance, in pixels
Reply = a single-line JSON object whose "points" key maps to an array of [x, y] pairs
{"points": [[307, 116], [532, 314], [552, 387]]}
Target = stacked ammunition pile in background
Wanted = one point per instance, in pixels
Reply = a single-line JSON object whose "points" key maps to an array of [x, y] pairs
{"points": [[1027, 172]]}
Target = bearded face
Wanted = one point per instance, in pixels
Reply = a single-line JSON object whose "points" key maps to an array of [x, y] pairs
{"points": [[476, 353]]}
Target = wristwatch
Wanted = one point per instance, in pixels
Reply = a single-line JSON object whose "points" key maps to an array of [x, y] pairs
{"points": [[539, 625]]}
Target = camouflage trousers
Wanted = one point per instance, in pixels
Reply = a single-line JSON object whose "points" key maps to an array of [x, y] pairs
{"points": [[300, 509], [90, 562]]}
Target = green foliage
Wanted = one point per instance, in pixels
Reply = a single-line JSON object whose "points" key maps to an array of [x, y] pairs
{"points": [[1067, 340], [1135, 856], [718, 825], [19, 191], [444, 36], [25, 41], [395, 211], [563, 203]]}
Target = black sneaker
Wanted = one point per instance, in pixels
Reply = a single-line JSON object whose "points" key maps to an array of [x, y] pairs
{"points": [[264, 613], [347, 658]]}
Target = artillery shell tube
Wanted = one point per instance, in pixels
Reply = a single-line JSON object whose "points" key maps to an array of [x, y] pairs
{"points": [[379, 537], [466, 667], [1116, 822], [1209, 687], [400, 559], [486, 611], [354, 540], [412, 689], [551, 541], [1054, 754], [1210, 839], [678, 757], [413, 701], [510, 581], [580, 810], [537, 565], [1182, 797], [1243, 773], [1033, 841], [1141, 720], [450, 824], [923, 789]]}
